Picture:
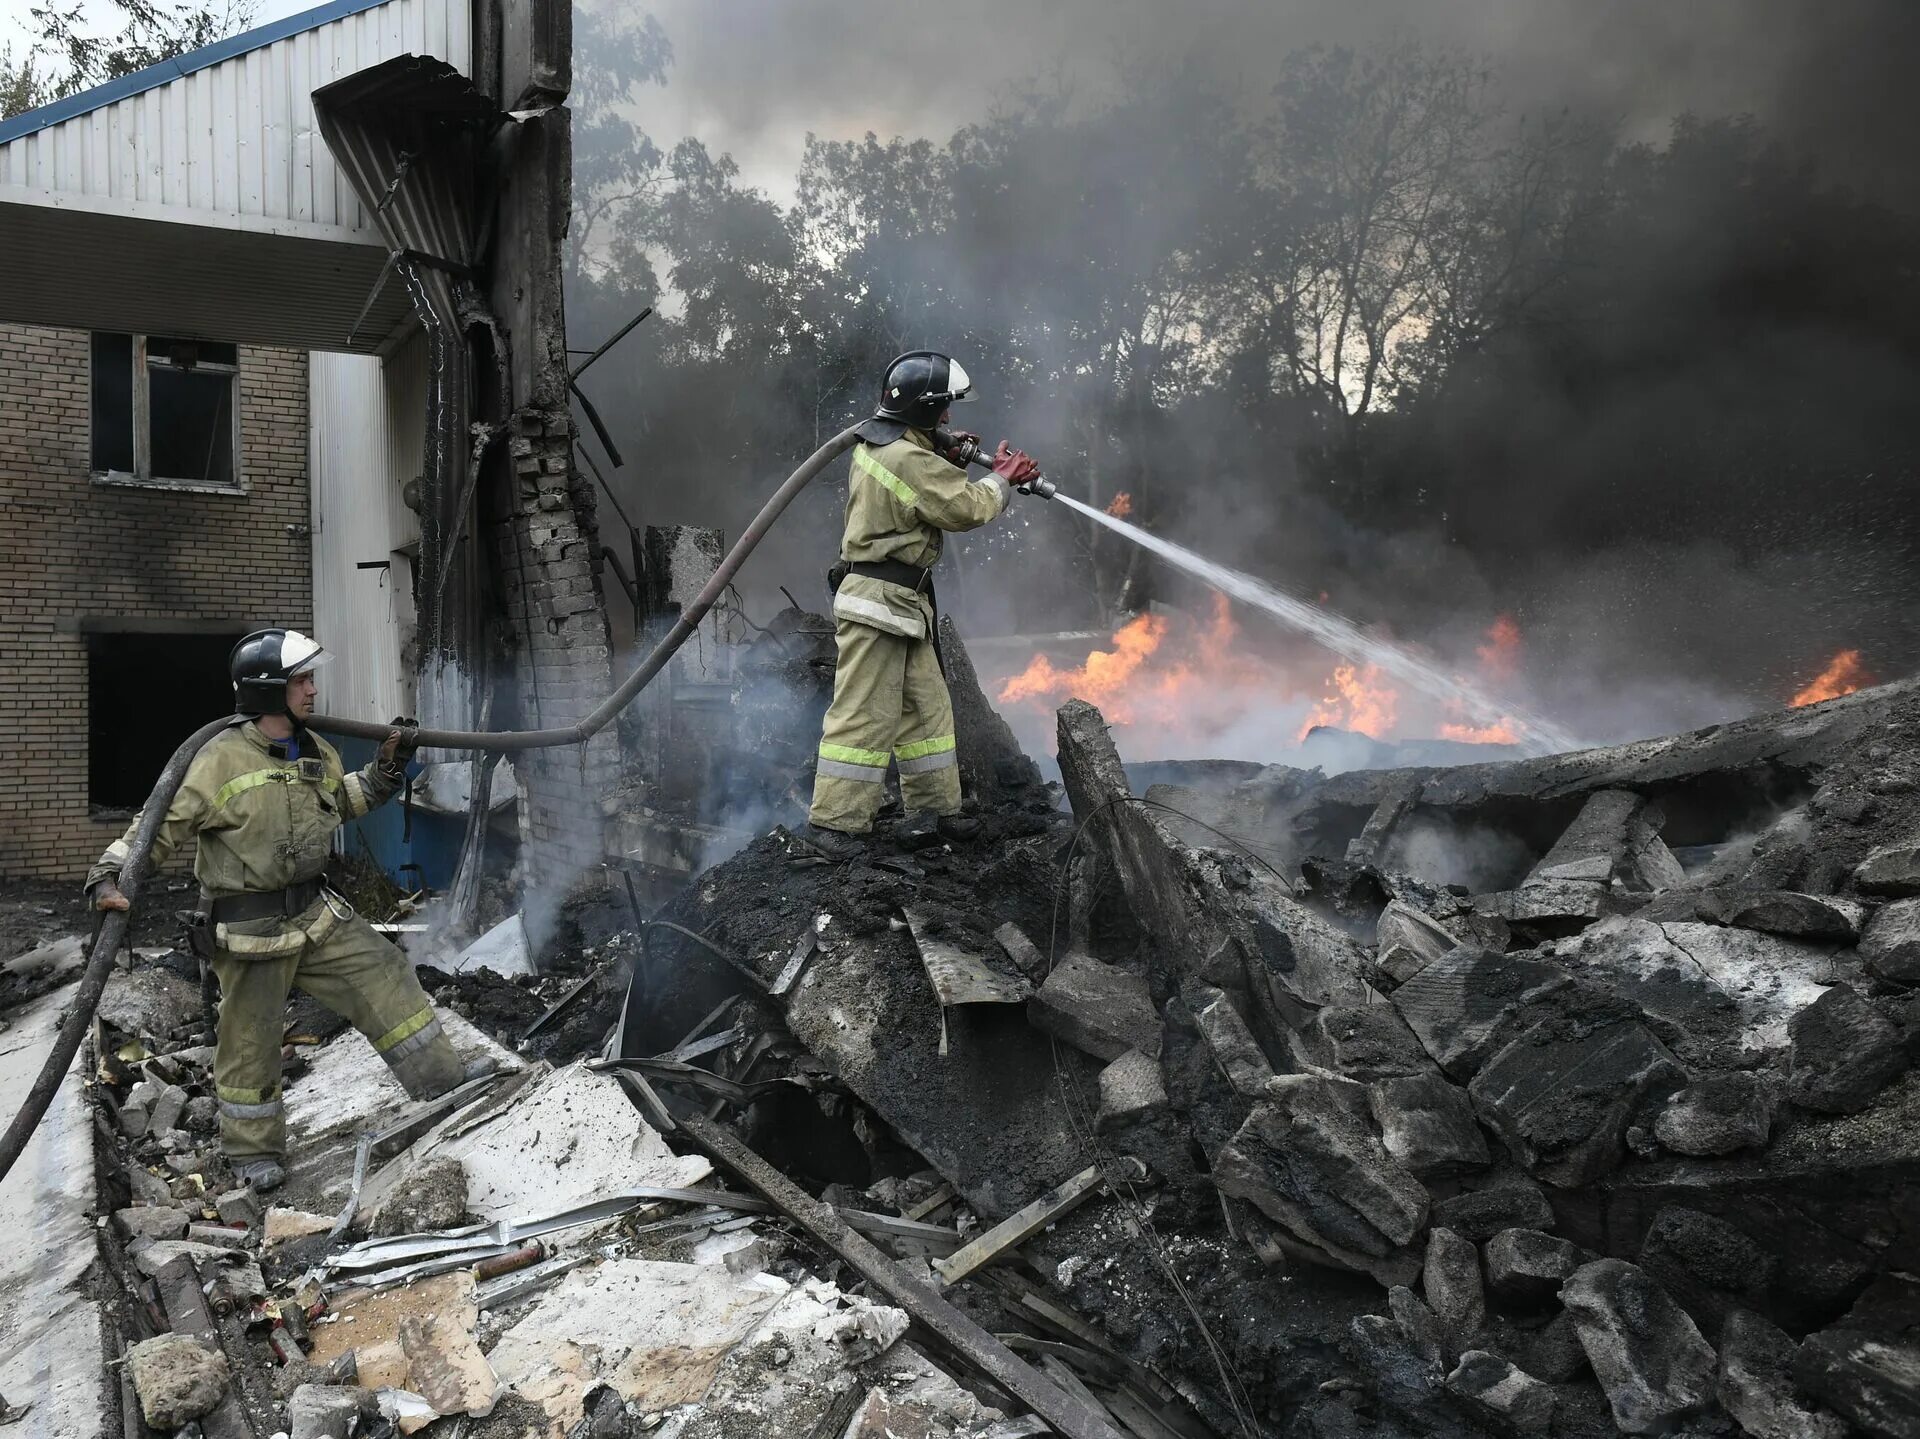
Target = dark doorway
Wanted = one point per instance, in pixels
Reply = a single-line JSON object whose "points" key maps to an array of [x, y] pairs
{"points": [[146, 693]]}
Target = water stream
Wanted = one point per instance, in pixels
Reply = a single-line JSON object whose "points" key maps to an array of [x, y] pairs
{"points": [[1342, 636]]}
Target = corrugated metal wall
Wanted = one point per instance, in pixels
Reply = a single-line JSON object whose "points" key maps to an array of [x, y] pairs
{"points": [[369, 423], [238, 137]]}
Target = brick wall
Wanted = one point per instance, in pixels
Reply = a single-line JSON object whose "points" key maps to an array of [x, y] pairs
{"points": [[558, 623], [74, 553]]}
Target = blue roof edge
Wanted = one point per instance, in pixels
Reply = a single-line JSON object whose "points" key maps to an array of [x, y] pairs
{"points": [[27, 122]]}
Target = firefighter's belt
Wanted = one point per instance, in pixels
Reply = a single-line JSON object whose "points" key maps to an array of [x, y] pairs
{"points": [[895, 572], [271, 904]]}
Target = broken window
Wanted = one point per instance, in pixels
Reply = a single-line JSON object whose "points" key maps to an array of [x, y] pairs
{"points": [[164, 410], [144, 691]]}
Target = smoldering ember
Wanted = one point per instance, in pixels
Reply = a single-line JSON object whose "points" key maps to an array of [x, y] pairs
{"points": [[1357, 877]]}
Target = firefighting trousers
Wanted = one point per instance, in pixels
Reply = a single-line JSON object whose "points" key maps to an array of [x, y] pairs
{"points": [[355, 973], [890, 703]]}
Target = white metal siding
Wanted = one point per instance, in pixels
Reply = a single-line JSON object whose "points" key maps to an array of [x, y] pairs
{"points": [[369, 424], [238, 138]]}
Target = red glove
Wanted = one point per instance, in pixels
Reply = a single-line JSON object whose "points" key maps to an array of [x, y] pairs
{"points": [[1016, 467]]}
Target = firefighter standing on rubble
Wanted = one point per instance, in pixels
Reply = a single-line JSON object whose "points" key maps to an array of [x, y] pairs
{"points": [[264, 799], [890, 700]]}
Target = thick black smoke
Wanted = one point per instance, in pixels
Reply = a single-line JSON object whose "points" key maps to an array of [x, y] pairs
{"points": [[1677, 446]]}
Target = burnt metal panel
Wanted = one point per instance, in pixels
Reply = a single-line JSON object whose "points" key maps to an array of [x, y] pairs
{"points": [[408, 135]]}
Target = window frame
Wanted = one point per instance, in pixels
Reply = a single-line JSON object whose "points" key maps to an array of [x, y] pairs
{"points": [[143, 365]]}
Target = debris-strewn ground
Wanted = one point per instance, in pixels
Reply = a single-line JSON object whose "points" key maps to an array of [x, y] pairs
{"points": [[1567, 1097]]}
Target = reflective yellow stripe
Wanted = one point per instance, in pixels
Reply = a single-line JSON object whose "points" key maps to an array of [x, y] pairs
{"points": [[285, 942], [239, 784], [235, 1094], [939, 744], [896, 486], [355, 795], [404, 1028], [253, 779], [872, 758]]}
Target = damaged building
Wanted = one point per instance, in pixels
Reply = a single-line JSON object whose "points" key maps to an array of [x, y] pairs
{"points": [[344, 410], [1225, 1107], [1570, 1095]]}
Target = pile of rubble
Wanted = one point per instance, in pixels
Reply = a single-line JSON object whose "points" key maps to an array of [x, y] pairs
{"points": [[1621, 1122], [1567, 1096]]}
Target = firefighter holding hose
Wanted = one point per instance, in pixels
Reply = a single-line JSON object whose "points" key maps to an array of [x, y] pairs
{"points": [[263, 799], [905, 493]]}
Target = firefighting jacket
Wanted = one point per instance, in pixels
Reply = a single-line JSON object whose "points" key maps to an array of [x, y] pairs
{"points": [[900, 497], [264, 822]]}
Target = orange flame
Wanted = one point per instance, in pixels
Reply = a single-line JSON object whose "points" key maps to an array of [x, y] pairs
{"points": [[1104, 674], [1178, 680], [1843, 675], [1357, 698], [1501, 731], [1136, 678], [1500, 655], [1121, 505]]}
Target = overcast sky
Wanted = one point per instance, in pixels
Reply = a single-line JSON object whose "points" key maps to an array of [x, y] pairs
{"points": [[754, 76]]}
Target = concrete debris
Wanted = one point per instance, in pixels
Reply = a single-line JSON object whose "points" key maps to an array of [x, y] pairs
{"points": [[282, 1226], [49, 961], [150, 1004], [1466, 1005], [1305, 1161], [1507, 1396], [1100, 1009], [434, 1196], [1232, 1045], [239, 1206], [1756, 1385], [151, 1223], [1844, 1053], [1131, 1088], [1718, 1114], [1893, 870], [1865, 1367], [1564, 1091], [1890, 946], [1528, 1267], [177, 1379], [1419, 1324], [1819, 918], [330, 1411], [150, 1257], [220, 1236], [1479, 1214], [1613, 842], [1451, 1277], [1428, 1125], [1552, 1352], [1549, 908], [1420, 935], [1650, 1358], [1361, 1042]]}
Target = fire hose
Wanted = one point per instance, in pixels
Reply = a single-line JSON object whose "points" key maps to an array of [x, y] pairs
{"points": [[134, 873]]}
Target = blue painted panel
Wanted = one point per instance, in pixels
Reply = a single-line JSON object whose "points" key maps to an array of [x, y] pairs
{"points": [[434, 847]]}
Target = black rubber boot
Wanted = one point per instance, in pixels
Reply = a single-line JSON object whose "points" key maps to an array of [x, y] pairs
{"points": [[959, 827], [834, 844]]}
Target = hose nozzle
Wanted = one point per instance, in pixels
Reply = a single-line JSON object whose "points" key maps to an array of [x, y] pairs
{"points": [[972, 452]]}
